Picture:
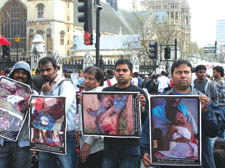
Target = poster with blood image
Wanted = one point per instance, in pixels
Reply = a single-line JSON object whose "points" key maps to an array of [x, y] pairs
{"points": [[111, 114]]}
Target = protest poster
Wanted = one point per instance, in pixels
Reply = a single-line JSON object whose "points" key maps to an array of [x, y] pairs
{"points": [[175, 130], [14, 98], [48, 124], [111, 114]]}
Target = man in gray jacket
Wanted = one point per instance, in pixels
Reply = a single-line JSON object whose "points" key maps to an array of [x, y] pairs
{"points": [[205, 86], [17, 154], [56, 85]]}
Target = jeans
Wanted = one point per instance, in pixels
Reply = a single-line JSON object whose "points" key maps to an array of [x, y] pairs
{"points": [[115, 159], [49, 160], [94, 160], [13, 156]]}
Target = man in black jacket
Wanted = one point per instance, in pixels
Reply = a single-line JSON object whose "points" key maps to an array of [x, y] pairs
{"points": [[124, 152]]}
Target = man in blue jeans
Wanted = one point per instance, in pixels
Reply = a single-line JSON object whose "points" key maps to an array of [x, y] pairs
{"points": [[55, 85], [124, 152], [17, 154]]}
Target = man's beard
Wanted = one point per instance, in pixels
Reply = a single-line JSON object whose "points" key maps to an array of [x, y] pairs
{"points": [[47, 79]]}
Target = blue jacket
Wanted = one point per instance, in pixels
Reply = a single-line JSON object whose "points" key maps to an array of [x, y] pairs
{"points": [[210, 128]]}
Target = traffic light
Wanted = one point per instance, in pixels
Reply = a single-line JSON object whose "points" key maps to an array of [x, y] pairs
{"points": [[153, 50], [5, 50], [86, 17], [167, 52]]}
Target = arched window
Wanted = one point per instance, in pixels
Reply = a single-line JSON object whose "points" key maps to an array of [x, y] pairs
{"points": [[13, 23], [40, 10], [62, 36]]}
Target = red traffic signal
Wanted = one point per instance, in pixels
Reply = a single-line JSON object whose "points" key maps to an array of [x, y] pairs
{"points": [[88, 38]]}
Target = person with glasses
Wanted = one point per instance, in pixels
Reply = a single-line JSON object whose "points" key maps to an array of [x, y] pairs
{"points": [[91, 148]]}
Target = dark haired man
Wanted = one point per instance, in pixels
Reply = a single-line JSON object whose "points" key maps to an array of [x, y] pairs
{"points": [[163, 82], [218, 74], [56, 85], [17, 154], [124, 152], [205, 86], [91, 148], [181, 71]]}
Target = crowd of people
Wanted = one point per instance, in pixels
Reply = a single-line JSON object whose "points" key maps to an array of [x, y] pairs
{"points": [[108, 152]]}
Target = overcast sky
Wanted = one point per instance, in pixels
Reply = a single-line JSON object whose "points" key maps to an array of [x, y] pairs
{"points": [[204, 14]]}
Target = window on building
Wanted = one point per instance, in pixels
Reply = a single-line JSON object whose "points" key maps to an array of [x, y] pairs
{"points": [[62, 36], [187, 20], [176, 16], [13, 23], [40, 10], [172, 15]]}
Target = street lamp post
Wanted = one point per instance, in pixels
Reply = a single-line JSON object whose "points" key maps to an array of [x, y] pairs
{"points": [[17, 40]]}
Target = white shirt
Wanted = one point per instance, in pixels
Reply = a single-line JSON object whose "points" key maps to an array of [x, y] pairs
{"points": [[164, 82]]}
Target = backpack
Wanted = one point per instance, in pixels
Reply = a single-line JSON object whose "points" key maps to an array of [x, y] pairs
{"points": [[152, 87]]}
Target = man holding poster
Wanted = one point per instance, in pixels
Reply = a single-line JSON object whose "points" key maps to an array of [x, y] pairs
{"points": [[55, 85], [182, 76], [17, 154], [124, 152]]}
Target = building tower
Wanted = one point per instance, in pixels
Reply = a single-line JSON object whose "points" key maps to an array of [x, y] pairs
{"points": [[171, 20], [113, 4], [53, 20]]}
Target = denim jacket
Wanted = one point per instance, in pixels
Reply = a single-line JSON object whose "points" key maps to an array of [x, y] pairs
{"points": [[210, 128]]}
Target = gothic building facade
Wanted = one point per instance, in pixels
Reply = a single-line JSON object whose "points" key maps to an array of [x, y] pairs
{"points": [[171, 20], [53, 20]]}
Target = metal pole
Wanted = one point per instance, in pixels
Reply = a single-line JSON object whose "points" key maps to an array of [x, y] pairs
{"points": [[3, 57], [16, 52], [175, 49], [97, 44], [216, 50]]}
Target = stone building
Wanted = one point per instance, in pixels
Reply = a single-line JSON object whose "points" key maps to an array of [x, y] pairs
{"points": [[171, 20], [56, 21]]}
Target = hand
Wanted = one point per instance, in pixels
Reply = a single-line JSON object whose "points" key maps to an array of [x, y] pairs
{"points": [[46, 87], [142, 99], [204, 102], [146, 160], [78, 135], [84, 152]]}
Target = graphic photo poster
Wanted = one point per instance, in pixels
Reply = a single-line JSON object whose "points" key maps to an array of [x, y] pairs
{"points": [[111, 114], [175, 130], [48, 124], [14, 98]]}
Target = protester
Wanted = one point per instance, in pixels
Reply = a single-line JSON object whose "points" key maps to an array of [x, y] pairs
{"points": [[219, 152], [181, 71], [152, 85], [218, 74], [67, 73], [91, 148], [205, 86], [134, 80], [37, 81], [124, 152], [163, 82], [56, 85], [17, 154]]}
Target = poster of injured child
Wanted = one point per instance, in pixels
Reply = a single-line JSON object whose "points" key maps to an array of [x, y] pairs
{"points": [[111, 114], [14, 98], [175, 137], [48, 124]]}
